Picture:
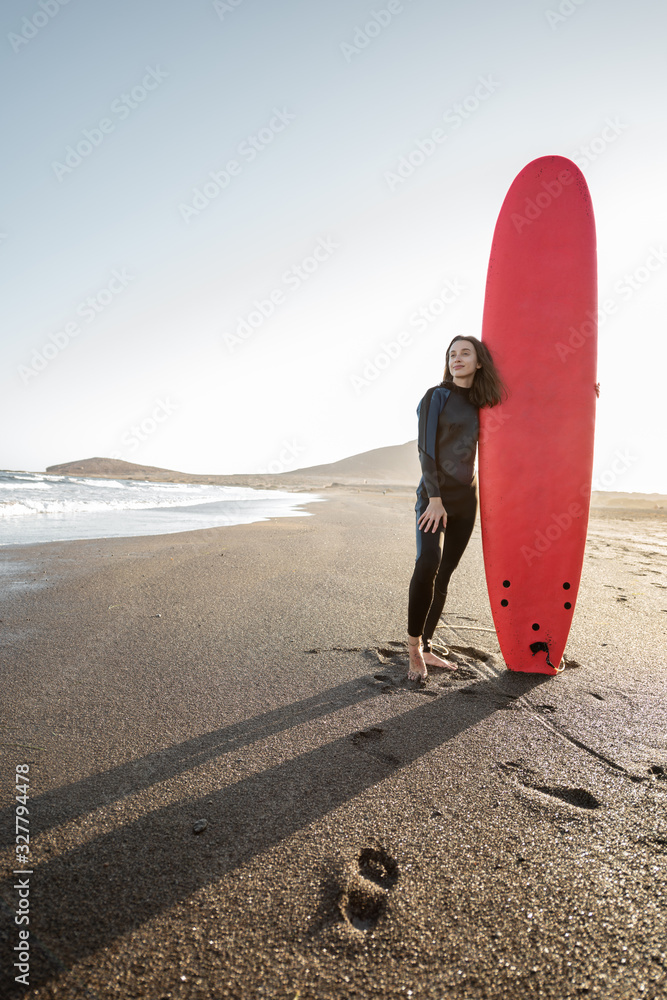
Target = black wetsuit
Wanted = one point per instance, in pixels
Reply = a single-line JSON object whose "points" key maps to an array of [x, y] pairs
{"points": [[447, 441]]}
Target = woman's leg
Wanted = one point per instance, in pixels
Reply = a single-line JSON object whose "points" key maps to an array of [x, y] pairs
{"points": [[429, 554], [457, 536], [427, 563]]}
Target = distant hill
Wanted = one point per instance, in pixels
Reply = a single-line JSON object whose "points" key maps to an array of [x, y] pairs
{"points": [[396, 464], [112, 467]]}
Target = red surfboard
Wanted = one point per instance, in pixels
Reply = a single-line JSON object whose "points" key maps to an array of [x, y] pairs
{"points": [[536, 447]]}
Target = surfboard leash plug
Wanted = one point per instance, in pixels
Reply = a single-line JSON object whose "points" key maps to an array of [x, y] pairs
{"points": [[538, 647]]}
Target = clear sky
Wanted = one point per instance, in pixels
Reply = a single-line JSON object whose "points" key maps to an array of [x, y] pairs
{"points": [[205, 238]]}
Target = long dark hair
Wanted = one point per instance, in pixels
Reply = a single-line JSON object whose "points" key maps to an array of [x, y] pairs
{"points": [[487, 389]]}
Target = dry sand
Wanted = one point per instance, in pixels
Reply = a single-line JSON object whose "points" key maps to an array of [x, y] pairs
{"points": [[488, 835]]}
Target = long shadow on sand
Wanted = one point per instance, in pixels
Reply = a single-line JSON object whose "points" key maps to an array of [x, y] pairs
{"points": [[156, 861]]}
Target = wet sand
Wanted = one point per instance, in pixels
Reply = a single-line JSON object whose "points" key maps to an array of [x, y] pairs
{"points": [[489, 834]]}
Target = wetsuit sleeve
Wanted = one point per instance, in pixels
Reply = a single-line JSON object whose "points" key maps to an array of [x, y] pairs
{"points": [[428, 412]]}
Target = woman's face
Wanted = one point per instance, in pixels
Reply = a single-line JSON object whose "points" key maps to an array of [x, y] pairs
{"points": [[463, 361]]}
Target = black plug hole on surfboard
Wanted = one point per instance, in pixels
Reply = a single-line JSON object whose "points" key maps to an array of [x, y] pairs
{"points": [[566, 586], [568, 605], [506, 583], [537, 647], [504, 603], [536, 627]]}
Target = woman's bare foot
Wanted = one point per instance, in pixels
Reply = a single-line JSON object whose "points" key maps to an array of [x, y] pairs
{"points": [[432, 660], [417, 670]]}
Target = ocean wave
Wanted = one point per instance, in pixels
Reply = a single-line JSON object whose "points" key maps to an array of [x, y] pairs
{"points": [[25, 486], [36, 507], [118, 484], [14, 508]]}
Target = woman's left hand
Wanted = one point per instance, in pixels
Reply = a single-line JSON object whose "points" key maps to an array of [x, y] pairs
{"points": [[432, 515]]}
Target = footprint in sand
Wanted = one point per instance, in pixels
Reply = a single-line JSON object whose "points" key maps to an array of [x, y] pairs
{"points": [[464, 673], [657, 844], [580, 798], [367, 735], [365, 894], [366, 739], [378, 866], [387, 654]]}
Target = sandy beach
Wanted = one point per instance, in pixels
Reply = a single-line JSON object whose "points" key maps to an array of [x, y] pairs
{"points": [[489, 834]]}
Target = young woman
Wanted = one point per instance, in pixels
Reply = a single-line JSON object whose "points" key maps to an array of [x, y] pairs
{"points": [[447, 493]]}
